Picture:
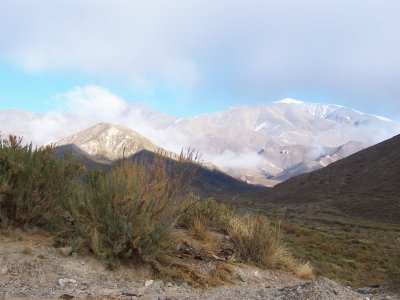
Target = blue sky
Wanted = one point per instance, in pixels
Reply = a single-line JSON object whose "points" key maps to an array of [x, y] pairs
{"points": [[190, 57], [38, 91]]}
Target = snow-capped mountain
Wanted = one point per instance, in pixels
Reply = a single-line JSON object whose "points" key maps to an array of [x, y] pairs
{"points": [[260, 143], [266, 143]]}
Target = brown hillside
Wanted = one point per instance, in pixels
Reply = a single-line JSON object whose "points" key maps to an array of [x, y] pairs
{"points": [[365, 184]]}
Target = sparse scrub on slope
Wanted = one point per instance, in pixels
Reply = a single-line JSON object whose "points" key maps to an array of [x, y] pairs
{"points": [[132, 211], [34, 185]]}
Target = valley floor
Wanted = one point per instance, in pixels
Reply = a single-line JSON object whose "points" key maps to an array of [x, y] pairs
{"points": [[30, 267]]}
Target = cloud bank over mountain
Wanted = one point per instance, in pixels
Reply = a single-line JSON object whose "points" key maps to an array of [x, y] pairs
{"points": [[258, 142], [84, 106]]}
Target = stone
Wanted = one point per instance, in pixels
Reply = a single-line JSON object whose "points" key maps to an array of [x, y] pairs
{"points": [[3, 271], [63, 281], [66, 281], [148, 283], [242, 276], [169, 284]]}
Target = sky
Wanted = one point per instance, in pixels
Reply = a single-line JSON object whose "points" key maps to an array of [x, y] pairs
{"points": [[190, 57]]}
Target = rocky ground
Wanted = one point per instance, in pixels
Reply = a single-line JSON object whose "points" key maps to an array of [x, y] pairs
{"points": [[31, 268]]}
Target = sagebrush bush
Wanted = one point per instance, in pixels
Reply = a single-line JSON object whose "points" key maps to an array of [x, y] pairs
{"points": [[35, 186], [132, 210]]}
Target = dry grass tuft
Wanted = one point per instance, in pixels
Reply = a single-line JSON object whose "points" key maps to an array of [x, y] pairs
{"points": [[200, 228], [305, 271], [258, 241]]}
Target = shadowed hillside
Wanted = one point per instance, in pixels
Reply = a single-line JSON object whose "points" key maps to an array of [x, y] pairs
{"points": [[209, 182], [79, 154], [365, 184]]}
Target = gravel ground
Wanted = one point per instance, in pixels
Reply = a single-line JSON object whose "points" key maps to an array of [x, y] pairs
{"points": [[30, 268]]}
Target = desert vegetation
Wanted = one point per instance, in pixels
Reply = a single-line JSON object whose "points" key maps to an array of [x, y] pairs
{"points": [[142, 211]]}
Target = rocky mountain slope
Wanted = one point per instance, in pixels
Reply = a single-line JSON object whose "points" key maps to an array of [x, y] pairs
{"points": [[106, 142], [263, 144], [283, 139]]}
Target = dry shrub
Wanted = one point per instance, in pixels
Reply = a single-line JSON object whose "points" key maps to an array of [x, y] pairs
{"points": [[132, 211]]}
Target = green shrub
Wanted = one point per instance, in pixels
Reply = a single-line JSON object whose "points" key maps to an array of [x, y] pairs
{"points": [[132, 211], [34, 184]]}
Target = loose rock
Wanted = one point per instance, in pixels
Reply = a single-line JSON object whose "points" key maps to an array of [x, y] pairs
{"points": [[148, 283], [3, 271], [66, 281]]}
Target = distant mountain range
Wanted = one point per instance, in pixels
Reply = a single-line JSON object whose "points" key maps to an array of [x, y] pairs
{"points": [[263, 144]]}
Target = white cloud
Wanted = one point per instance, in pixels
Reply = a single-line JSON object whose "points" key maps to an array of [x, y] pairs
{"points": [[236, 161], [83, 107], [92, 102]]}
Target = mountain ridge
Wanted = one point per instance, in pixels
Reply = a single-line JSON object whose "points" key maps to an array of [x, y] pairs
{"points": [[262, 144]]}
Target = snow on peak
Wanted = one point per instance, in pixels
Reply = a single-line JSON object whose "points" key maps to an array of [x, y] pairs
{"points": [[321, 110], [383, 118], [289, 101]]}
